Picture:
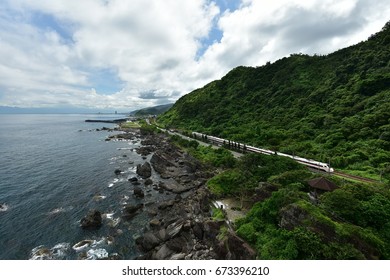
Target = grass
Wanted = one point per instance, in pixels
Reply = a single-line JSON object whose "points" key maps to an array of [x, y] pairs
{"points": [[130, 124], [218, 214]]}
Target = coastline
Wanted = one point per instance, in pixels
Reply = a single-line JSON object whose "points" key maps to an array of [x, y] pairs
{"points": [[180, 224]]}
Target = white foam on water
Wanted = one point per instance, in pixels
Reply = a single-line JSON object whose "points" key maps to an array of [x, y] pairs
{"points": [[114, 222], [83, 245], [108, 216], [116, 180], [124, 200], [4, 207], [60, 210], [96, 254], [132, 169], [58, 252], [99, 197]]}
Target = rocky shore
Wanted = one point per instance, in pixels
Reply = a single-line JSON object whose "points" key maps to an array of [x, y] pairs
{"points": [[181, 226]]}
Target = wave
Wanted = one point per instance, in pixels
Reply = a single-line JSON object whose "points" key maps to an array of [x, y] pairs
{"points": [[60, 210], [3, 207], [58, 252], [97, 254]]}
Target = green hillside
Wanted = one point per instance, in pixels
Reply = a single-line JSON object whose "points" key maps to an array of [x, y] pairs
{"points": [[334, 107], [156, 110]]}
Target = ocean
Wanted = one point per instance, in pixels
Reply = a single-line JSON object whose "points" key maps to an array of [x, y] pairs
{"points": [[53, 170]]}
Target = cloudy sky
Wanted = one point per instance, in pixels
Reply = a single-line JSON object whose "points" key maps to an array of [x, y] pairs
{"points": [[129, 54]]}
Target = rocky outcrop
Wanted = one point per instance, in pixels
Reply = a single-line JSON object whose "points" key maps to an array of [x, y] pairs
{"points": [[161, 163], [138, 192], [238, 249], [145, 151], [144, 170], [183, 229], [263, 191], [129, 211], [180, 225], [292, 216], [92, 220]]}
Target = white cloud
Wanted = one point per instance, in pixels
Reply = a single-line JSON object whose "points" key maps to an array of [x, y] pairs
{"points": [[263, 31], [152, 46]]}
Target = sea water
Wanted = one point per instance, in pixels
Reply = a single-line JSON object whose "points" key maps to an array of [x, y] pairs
{"points": [[53, 169]]}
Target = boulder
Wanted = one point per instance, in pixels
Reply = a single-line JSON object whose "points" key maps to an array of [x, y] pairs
{"points": [[144, 170], [178, 257], [138, 192], [150, 241], [162, 234], [198, 230], [239, 249], [148, 182], [166, 204], [92, 220], [163, 253], [117, 171], [154, 223], [211, 229], [177, 244], [174, 229], [133, 179], [129, 211], [144, 151], [173, 186], [160, 163]]}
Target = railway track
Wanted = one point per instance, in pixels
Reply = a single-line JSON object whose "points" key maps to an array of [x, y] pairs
{"points": [[354, 177], [335, 172]]}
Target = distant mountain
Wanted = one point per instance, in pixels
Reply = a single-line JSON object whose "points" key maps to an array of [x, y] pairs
{"points": [[156, 110], [69, 110], [334, 107]]}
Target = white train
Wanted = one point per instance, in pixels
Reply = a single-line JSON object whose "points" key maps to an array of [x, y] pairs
{"points": [[220, 142]]}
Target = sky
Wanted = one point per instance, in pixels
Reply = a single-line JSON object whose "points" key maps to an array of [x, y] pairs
{"points": [[130, 54]]}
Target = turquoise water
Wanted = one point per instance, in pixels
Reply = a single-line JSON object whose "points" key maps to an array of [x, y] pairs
{"points": [[53, 169]]}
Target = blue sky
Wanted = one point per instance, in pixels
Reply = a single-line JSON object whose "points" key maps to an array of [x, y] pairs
{"points": [[125, 55]]}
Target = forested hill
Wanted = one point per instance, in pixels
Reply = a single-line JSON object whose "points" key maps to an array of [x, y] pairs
{"points": [[156, 110], [335, 106]]}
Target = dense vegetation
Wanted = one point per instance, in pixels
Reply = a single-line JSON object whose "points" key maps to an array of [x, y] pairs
{"points": [[333, 107], [214, 157], [352, 222]]}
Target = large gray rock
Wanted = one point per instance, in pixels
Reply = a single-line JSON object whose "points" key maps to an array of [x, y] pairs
{"points": [[144, 170], [173, 186], [138, 192], [292, 216], [92, 220], [150, 241], [160, 163], [129, 211], [175, 228], [163, 253], [239, 249]]}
